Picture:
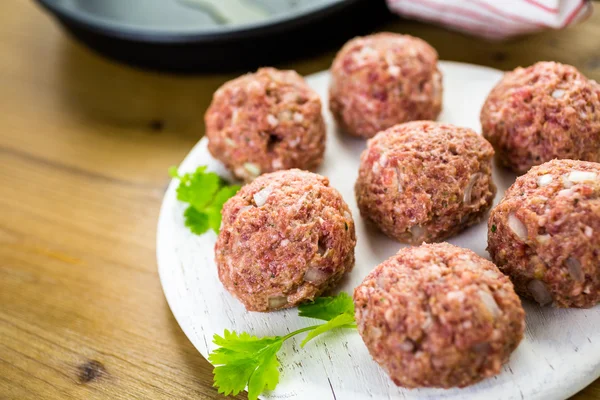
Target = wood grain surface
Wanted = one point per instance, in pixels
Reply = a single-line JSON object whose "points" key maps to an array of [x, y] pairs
{"points": [[84, 148]]}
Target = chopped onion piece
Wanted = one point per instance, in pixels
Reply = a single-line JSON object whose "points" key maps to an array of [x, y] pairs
{"points": [[542, 239], [260, 197], [294, 142], [277, 302], [589, 231], [565, 192], [284, 242], [490, 303], [545, 180], [467, 196], [375, 332], [230, 142], [394, 70], [272, 120], [517, 226], [400, 188], [574, 267], [417, 232], [285, 115], [298, 117], [234, 115], [539, 292], [407, 345], [456, 295], [315, 275], [376, 168], [566, 182], [301, 201], [347, 215], [582, 176], [253, 169], [383, 160], [427, 323], [558, 93], [244, 209]]}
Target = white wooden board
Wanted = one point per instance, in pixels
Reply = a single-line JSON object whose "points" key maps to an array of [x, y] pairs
{"points": [[558, 357]]}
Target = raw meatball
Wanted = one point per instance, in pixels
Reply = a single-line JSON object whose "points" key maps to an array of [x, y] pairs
{"points": [[542, 112], [381, 80], [287, 237], [425, 181], [438, 316], [266, 121], [545, 234]]}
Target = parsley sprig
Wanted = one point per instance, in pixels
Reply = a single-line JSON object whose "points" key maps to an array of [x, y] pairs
{"points": [[244, 361], [205, 192]]}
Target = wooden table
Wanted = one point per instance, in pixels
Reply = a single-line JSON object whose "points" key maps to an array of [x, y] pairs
{"points": [[84, 149]]}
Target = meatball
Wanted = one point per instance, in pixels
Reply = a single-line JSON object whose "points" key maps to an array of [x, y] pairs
{"points": [[425, 181], [438, 316], [542, 112], [267, 121], [545, 233], [287, 237], [381, 80]]}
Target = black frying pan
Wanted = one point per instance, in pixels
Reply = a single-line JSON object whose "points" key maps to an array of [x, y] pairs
{"points": [[194, 35]]}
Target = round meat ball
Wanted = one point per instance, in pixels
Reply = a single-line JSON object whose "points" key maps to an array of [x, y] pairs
{"points": [[425, 181], [545, 233], [546, 111], [287, 237], [438, 316], [381, 80], [266, 121]]}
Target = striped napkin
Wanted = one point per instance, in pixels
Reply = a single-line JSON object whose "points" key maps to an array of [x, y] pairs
{"points": [[496, 19]]}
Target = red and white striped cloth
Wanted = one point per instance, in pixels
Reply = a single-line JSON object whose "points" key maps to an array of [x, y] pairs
{"points": [[496, 19]]}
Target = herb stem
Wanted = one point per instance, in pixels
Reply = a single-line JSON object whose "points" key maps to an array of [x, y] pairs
{"points": [[308, 328]]}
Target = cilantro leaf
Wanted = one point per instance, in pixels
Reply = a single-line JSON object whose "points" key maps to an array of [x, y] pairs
{"points": [[206, 193], [345, 320], [198, 188], [214, 210], [245, 360], [327, 308], [195, 220], [266, 376]]}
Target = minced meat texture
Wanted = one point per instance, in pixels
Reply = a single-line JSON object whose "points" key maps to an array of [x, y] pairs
{"points": [[266, 121], [548, 110], [438, 316], [285, 238], [545, 233], [425, 181], [384, 79]]}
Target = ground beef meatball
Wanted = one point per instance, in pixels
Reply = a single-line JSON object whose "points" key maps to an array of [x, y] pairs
{"points": [[545, 234], [382, 80], [266, 121], [438, 316], [425, 181], [542, 112], [285, 238]]}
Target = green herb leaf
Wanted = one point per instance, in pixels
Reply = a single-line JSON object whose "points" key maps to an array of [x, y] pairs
{"points": [[206, 193], [197, 221], [198, 188], [214, 210], [345, 320], [327, 308], [244, 360]]}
